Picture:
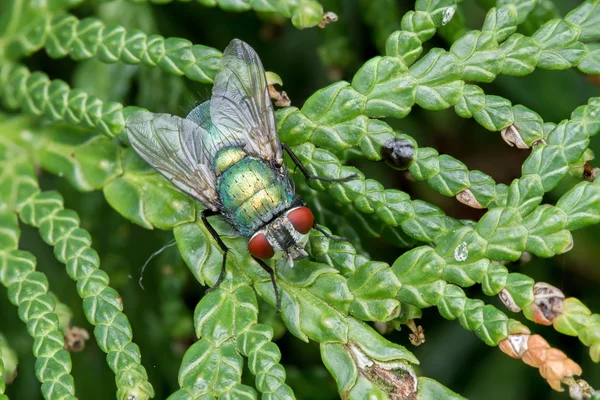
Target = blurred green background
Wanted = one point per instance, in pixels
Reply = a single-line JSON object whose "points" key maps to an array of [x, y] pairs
{"points": [[161, 315]]}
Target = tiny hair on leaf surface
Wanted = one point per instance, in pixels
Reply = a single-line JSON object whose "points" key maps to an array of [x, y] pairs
{"points": [[326, 199]]}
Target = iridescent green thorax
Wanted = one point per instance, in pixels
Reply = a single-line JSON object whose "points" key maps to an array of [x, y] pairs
{"points": [[252, 192], [226, 158]]}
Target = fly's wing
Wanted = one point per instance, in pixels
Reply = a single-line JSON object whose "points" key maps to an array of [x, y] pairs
{"points": [[201, 115], [217, 139], [240, 105], [175, 148]]}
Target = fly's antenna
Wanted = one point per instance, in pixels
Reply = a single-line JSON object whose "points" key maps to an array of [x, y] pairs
{"points": [[157, 252]]}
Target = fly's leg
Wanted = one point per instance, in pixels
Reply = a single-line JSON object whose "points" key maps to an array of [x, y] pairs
{"points": [[209, 213], [272, 275], [308, 175], [329, 235], [204, 215]]}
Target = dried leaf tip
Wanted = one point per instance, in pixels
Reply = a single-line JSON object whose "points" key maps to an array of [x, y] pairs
{"points": [[396, 378], [548, 303], [417, 337], [75, 338], [281, 99], [554, 365], [512, 137], [328, 18], [466, 197], [590, 174]]}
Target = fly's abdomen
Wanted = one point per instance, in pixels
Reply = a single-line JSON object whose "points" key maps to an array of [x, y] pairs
{"points": [[251, 192]]}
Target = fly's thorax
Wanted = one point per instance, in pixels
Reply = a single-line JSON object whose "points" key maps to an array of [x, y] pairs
{"points": [[251, 190], [226, 158], [285, 240]]}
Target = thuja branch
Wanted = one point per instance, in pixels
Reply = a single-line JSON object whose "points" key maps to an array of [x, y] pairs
{"points": [[102, 304], [8, 365], [389, 86], [303, 13], [65, 35], [322, 298], [421, 231], [28, 290]]}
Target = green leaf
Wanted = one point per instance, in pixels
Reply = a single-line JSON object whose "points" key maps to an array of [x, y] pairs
{"points": [[426, 164], [436, 9], [438, 74], [17, 181], [306, 315], [452, 177], [581, 204], [418, 266], [528, 123], [591, 63], [523, 7], [340, 364], [572, 138], [146, 198], [520, 288], [500, 22], [463, 251], [488, 323], [404, 45], [225, 313], [263, 361], [430, 389], [428, 222], [496, 113], [574, 318], [419, 22], [199, 251], [587, 18], [334, 104], [375, 346], [547, 236], [561, 49], [525, 194], [480, 57], [294, 127], [389, 90], [504, 232], [9, 235], [549, 162], [88, 161], [307, 14], [210, 370], [482, 187], [374, 287], [521, 54], [494, 280]]}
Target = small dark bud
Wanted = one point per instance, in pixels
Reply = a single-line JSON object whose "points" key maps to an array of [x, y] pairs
{"points": [[398, 153]]}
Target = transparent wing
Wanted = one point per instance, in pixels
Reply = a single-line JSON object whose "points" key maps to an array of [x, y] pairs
{"points": [[201, 115], [175, 148], [240, 104], [217, 138]]}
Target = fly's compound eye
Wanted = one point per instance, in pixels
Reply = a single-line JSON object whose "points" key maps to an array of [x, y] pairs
{"points": [[302, 219], [260, 247]]}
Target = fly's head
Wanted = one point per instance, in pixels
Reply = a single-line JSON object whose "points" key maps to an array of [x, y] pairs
{"points": [[284, 237]]}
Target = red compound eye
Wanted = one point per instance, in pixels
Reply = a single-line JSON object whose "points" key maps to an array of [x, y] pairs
{"points": [[260, 247], [302, 219]]}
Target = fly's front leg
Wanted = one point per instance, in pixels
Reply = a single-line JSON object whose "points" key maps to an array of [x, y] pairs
{"points": [[204, 215], [272, 275], [329, 235], [308, 175]]}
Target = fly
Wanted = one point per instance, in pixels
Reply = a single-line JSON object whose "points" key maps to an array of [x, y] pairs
{"points": [[226, 154]]}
